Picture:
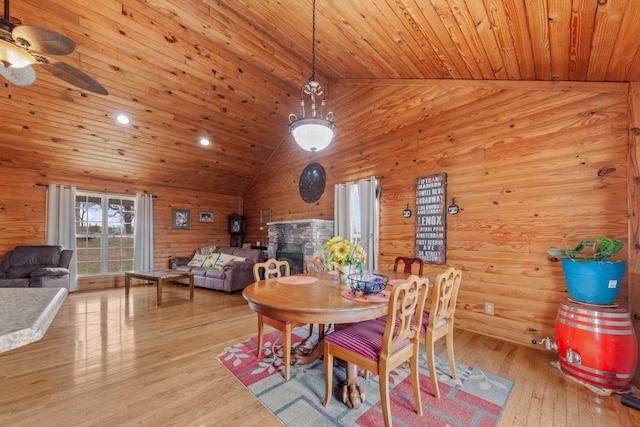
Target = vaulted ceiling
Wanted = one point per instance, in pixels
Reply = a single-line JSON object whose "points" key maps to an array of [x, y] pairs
{"points": [[232, 71]]}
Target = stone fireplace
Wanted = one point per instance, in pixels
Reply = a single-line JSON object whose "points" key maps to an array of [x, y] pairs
{"points": [[293, 253], [297, 241]]}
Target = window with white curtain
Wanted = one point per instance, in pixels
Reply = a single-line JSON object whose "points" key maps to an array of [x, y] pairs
{"points": [[356, 215], [104, 233]]}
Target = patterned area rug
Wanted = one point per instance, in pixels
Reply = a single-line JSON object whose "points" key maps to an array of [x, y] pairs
{"points": [[476, 398]]}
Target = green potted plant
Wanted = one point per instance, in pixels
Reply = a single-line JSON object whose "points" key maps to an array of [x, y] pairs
{"points": [[589, 274]]}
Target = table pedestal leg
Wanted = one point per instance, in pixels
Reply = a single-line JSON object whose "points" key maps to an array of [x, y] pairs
{"points": [[352, 394], [302, 357]]}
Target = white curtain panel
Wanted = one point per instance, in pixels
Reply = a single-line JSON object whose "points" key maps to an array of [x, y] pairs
{"points": [[61, 225], [369, 215], [343, 210], [143, 245]]}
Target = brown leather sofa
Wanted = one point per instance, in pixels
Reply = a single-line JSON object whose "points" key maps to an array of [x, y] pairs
{"points": [[45, 266], [232, 276]]}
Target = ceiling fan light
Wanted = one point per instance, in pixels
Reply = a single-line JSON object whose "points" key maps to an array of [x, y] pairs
{"points": [[23, 77], [14, 56], [312, 134]]}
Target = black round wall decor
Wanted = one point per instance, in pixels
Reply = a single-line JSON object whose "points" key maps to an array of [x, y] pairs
{"points": [[312, 181]]}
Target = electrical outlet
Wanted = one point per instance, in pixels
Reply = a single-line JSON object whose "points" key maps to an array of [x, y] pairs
{"points": [[488, 308]]}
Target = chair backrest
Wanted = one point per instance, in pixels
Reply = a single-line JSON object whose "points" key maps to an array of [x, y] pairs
{"points": [[270, 268], [315, 264], [406, 305], [445, 296], [408, 263]]}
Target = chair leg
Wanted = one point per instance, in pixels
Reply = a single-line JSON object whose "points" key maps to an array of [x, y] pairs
{"points": [[328, 374], [431, 361], [260, 327], [415, 381], [452, 362], [286, 344], [384, 396]]}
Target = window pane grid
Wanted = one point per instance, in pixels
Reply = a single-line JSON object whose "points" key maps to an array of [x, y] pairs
{"points": [[104, 233]]}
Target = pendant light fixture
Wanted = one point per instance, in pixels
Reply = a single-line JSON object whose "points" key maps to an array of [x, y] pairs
{"points": [[314, 132]]}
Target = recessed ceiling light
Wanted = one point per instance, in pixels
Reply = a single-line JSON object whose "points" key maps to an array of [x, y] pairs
{"points": [[123, 119], [204, 141]]}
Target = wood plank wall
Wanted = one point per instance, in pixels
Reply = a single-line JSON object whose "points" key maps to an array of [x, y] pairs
{"points": [[23, 217], [633, 179], [526, 162]]}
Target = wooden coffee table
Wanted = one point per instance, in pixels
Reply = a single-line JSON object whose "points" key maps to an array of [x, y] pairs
{"points": [[158, 276]]}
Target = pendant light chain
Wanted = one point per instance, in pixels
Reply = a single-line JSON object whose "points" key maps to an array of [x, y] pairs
{"points": [[313, 132], [313, 43]]}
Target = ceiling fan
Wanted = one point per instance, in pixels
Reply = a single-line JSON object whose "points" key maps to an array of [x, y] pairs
{"points": [[21, 46]]}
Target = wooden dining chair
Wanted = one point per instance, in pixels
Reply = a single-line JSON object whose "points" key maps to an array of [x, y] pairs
{"points": [[381, 347], [264, 270], [408, 264], [315, 264], [438, 320]]}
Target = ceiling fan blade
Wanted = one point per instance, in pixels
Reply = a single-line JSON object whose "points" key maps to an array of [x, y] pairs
{"points": [[24, 76], [74, 76], [43, 40]]}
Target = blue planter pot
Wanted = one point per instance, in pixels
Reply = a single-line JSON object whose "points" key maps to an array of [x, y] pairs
{"points": [[593, 282]]}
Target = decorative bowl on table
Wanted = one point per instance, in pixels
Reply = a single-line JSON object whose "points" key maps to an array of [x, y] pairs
{"points": [[367, 283]]}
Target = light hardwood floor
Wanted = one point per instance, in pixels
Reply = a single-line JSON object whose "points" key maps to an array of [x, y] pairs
{"points": [[108, 361]]}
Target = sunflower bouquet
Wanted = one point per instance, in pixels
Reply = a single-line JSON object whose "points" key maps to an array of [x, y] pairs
{"points": [[341, 252]]}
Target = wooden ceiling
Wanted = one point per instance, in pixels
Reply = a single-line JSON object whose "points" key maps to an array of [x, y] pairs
{"points": [[232, 70]]}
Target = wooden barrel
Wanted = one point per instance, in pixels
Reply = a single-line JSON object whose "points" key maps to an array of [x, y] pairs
{"points": [[596, 344]]}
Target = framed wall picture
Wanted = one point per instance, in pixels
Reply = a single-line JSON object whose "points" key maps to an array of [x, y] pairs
{"points": [[181, 218], [206, 217], [265, 216]]}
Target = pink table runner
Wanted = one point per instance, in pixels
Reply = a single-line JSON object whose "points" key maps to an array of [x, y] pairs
{"points": [[381, 297], [297, 280]]}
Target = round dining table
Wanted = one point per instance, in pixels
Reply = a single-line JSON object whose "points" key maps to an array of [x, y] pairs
{"points": [[318, 298]]}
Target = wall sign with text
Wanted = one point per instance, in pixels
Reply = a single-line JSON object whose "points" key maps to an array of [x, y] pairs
{"points": [[431, 227]]}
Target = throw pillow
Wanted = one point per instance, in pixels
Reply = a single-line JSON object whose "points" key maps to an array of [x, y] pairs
{"points": [[211, 260], [206, 250], [197, 260], [222, 260], [239, 258]]}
